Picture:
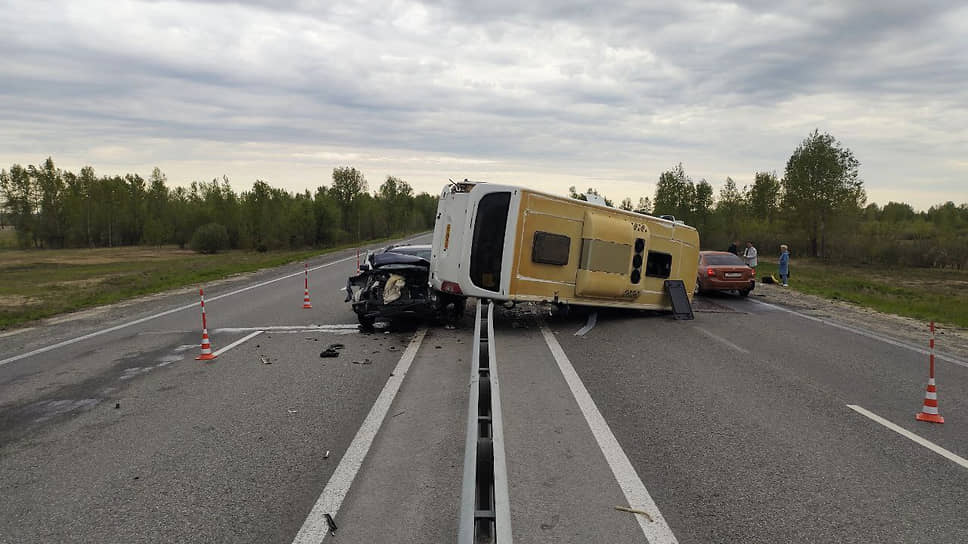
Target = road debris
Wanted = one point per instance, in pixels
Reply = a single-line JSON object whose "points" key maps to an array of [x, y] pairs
{"points": [[117, 405], [363, 362], [265, 360], [329, 352], [398, 413], [326, 455], [332, 524], [291, 411], [634, 511]]}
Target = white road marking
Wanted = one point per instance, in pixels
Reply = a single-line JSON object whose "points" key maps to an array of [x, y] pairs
{"points": [[58, 345], [237, 342], [301, 328], [869, 334], [722, 340], [656, 531], [589, 325], [315, 528], [908, 434]]}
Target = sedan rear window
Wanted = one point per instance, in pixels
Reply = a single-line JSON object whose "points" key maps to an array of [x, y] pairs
{"points": [[729, 260]]}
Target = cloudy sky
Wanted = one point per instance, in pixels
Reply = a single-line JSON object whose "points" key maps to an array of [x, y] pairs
{"points": [[543, 94]]}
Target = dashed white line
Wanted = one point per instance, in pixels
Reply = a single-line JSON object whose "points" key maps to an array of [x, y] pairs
{"points": [[237, 342], [656, 531], [722, 340], [908, 434], [315, 528]]}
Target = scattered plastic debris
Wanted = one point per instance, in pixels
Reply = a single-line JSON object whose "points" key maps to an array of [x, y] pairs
{"points": [[363, 362], [436, 347], [332, 524], [265, 360], [329, 352], [398, 413], [117, 405], [291, 411], [326, 455]]}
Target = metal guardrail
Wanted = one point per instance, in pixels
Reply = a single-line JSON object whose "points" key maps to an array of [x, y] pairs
{"points": [[485, 514]]}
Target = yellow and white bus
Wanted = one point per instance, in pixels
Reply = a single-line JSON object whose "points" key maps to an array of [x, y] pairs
{"points": [[502, 242]]}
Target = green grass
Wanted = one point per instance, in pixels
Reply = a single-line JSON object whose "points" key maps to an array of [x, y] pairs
{"points": [[35, 284], [921, 293], [8, 238]]}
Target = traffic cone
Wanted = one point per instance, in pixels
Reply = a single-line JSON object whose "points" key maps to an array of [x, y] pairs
{"points": [[307, 305], [206, 354], [929, 411]]}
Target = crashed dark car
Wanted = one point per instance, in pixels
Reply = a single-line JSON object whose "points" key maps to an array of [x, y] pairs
{"points": [[392, 284]]}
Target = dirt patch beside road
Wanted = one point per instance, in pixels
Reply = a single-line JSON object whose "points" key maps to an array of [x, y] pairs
{"points": [[949, 339]]}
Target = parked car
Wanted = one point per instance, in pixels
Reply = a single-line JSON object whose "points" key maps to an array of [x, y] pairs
{"points": [[394, 284], [723, 271]]}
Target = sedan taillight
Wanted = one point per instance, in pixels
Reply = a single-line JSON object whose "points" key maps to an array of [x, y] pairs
{"points": [[710, 272]]}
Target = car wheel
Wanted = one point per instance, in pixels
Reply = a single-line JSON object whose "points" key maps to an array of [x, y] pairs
{"points": [[366, 323], [696, 290]]}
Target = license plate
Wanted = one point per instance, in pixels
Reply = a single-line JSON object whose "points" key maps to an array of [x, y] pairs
{"points": [[734, 274]]}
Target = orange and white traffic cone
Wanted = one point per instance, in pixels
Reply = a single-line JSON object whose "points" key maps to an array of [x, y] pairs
{"points": [[929, 412], [307, 305], [206, 354]]}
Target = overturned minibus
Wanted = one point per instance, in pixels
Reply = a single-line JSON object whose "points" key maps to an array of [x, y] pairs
{"points": [[508, 243]]}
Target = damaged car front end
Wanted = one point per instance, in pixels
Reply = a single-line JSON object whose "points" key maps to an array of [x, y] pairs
{"points": [[393, 285]]}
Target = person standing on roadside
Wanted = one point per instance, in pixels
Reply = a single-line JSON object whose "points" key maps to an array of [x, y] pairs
{"points": [[784, 264], [749, 255], [734, 248]]}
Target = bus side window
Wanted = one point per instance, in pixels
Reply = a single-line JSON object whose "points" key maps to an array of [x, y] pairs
{"points": [[548, 248], [658, 265]]}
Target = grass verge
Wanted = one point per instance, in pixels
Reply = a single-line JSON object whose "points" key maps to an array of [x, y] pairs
{"points": [[922, 293], [35, 284]]}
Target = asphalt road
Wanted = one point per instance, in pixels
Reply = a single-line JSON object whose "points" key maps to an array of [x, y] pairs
{"points": [[734, 427]]}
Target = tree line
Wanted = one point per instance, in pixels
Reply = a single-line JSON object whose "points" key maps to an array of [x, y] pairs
{"points": [[52, 208], [818, 207]]}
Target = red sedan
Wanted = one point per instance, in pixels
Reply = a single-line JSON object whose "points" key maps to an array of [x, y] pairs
{"points": [[722, 271]]}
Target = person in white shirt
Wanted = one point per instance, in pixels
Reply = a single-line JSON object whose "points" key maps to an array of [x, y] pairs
{"points": [[749, 255]]}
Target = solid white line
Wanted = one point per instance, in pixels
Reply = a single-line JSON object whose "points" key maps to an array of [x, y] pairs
{"points": [[237, 342], [273, 328], [862, 332], [908, 434], [722, 340], [315, 528], [656, 531], [162, 314]]}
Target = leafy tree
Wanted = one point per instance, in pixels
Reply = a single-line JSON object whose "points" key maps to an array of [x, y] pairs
{"points": [[764, 196], [210, 238], [645, 205], [348, 185], [576, 195], [702, 205], [626, 204], [821, 181], [20, 202], [731, 208], [896, 212], [675, 194]]}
